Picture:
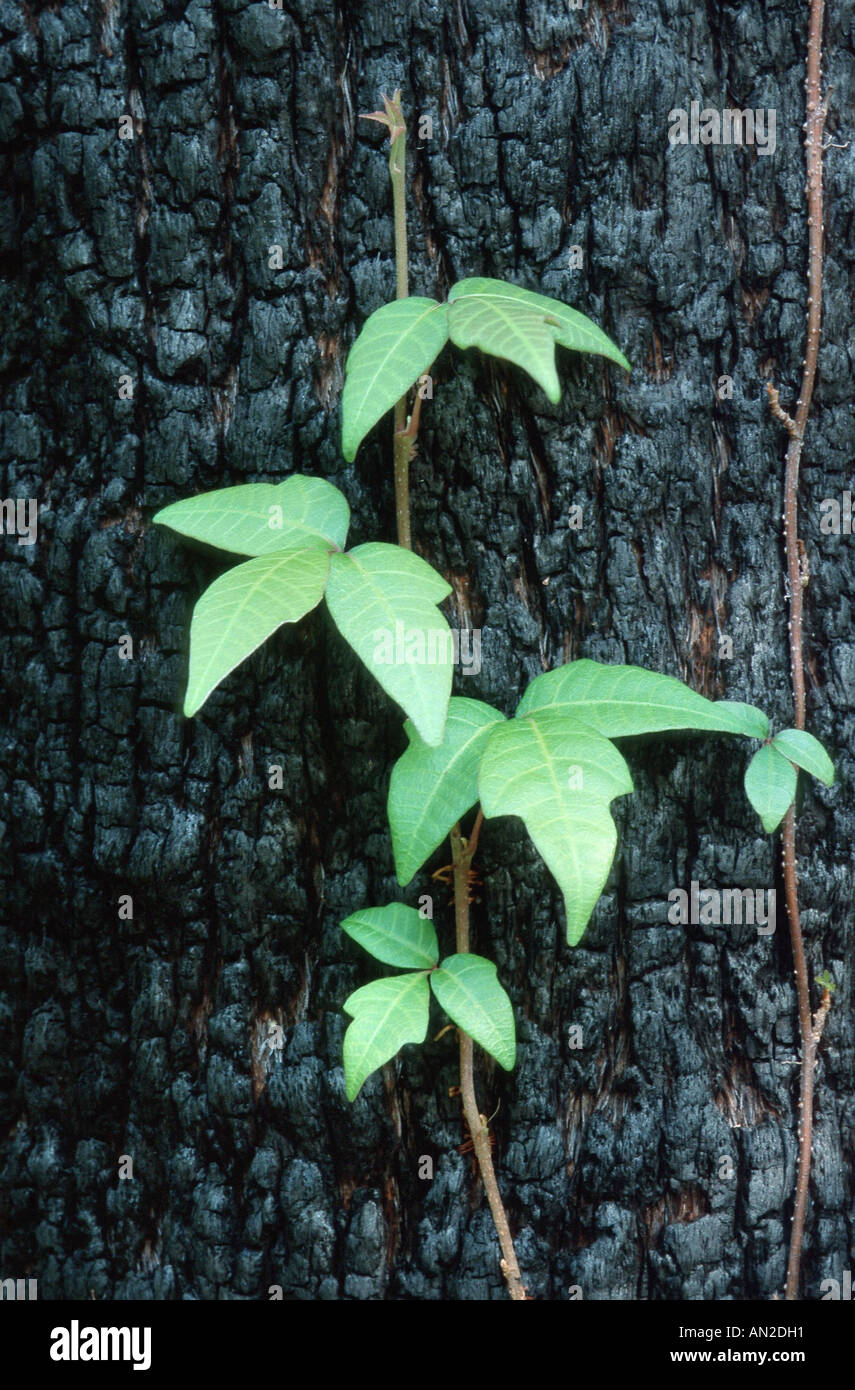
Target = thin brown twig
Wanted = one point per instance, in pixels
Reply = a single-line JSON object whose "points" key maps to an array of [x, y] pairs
{"points": [[462, 853], [810, 1028], [813, 146], [778, 410]]}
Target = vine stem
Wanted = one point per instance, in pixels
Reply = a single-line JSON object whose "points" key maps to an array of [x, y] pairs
{"points": [[462, 855], [811, 1032], [402, 441], [462, 850], [810, 1027]]}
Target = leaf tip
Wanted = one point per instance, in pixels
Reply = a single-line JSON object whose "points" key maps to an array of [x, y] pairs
{"points": [[575, 928], [431, 733]]}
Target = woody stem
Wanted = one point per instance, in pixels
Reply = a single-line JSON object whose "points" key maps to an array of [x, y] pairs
{"points": [[809, 1028], [402, 443], [462, 858]]}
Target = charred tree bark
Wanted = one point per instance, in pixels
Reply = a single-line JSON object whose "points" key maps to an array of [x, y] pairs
{"points": [[178, 307]]}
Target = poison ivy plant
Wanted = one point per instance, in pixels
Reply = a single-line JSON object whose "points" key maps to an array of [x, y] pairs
{"points": [[770, 785], [432, 788], [391, 1012], [383, 599], [554, 765], [386, 1014], [806, 752], [399, 341], [396, 346], [395, 935], [771, 776], [622, 701], [559, 777], [523, 327]]}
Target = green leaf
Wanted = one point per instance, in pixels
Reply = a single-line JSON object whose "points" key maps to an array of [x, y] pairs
{"points": [[805, 751], [260, 518], [825, 981], [396, 935], [523, 327], [386, 1015], [770, 785], [243, 607], [431, 788], [624, 700], [467, 987], [382, 599], [559, 777], [515, 332], [397, 344]]}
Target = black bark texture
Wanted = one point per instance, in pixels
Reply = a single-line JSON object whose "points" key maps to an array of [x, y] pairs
{"points": [[657, 1159]]}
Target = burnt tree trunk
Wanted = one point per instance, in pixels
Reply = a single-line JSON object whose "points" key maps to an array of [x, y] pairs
{"points": [[652, 1155]]}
